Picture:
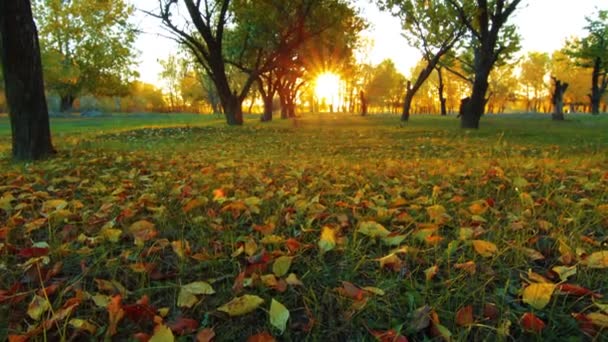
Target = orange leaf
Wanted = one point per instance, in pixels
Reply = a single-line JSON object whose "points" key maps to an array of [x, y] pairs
{"points": [[464, 316], [205, 335], [351, 291], [143, 231], [115, 313], [261, 337], [531, 323], [183, 326]]}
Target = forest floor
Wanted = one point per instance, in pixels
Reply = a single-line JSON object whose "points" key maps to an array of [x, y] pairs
{"points": [[333, 227]]}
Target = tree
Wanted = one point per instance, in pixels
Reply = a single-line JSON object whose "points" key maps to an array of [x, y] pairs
{"points": [[87, 47], [431, 27], [385, 87], [565, 68], [491, 38], [173, 71], [534, 68], [592, 52], [22, 69], [558, 99]]}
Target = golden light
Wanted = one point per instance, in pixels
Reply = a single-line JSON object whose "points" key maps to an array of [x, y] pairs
{"points": [[327, 86]]}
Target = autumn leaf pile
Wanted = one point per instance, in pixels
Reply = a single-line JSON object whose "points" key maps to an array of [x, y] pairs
{"points": [[319, 231]]}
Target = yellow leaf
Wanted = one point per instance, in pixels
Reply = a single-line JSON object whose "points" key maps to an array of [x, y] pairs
{"points": [[374, 290], [538, 295], [478, 207], [112, 235], [101, 300], [328, 239], [251, 247], [186, 299], [431, 272], [187, 293], [373, 229], [597, 260], [56, 204], [564, 272], [162, 333], [279, 315], [181, 248], [438, 214], [37, 307], [241, 305], [143, 231], [599, 319], [281, 265], [292, 279], [391, 260], [82, 324], [199, 287], [484, 248]]}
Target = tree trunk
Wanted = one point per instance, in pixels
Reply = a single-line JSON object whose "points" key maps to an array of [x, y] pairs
{"points": [[407, 102], [67, 103], [558, 99], [483, 65], [20, 55], [440, 89], [363, 100], [596, 93]]}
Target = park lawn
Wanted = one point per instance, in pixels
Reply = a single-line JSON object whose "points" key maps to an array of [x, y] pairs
{"points": [[359, 227]]}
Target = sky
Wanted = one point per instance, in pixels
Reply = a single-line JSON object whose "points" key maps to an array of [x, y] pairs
{"points": [[543, 24]]}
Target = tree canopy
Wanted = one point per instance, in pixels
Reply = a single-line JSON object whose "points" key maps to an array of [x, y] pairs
{"points": [[87, 47]]}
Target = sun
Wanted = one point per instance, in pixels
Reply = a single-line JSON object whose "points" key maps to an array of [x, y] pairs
{"points": [[327, 86]]}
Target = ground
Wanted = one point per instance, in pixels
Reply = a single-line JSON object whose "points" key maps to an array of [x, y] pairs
{"points": [[361, 228]]}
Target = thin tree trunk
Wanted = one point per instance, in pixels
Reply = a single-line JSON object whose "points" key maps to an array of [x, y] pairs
{"points": [[67, 103], [407, 102], [558, 99], [440, 89], [20, 54]]}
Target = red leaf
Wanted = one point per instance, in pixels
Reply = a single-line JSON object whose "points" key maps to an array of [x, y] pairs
{"points": [[142, 337], [33, 252], [183, 326], [292, 244], [464, 316], [531, 323], [585, 324], [490, 311], [576, 290], [388, 336], [261, 337]]}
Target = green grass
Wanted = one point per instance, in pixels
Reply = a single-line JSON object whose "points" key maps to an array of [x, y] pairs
{"points": [[547, 183]]}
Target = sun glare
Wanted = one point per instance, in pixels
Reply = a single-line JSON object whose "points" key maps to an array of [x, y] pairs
{"points": [[327, 87]]}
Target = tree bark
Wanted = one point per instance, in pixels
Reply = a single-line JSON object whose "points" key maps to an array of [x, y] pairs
{"points": [[440, 90], [558, 99], [407, 102], [67, 103], [363, 100], [22, 67], [599, 84], [483, 66]]}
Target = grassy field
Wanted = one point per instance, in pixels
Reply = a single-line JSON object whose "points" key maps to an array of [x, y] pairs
{"points": [[361, 228]]}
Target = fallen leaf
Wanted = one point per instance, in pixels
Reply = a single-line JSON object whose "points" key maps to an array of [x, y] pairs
{"points": [[575, 290], [261, 337], [531, 323], [485, 248], [187, 296], [241, 305], [183, 326], [350, 290], [205, 335], [115, 314], [470, 267], [279, 315], [538, 295], [597, 260], [281, 265], [83, 324], [162, 333], [292, 279], [328, 239], [143, 231], [38, 306], [564, 272], [464, 316], [373, 229], [599, 319]]}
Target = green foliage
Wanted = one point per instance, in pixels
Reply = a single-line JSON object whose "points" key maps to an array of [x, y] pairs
{"points": [[386, 85], [87, 46]]}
